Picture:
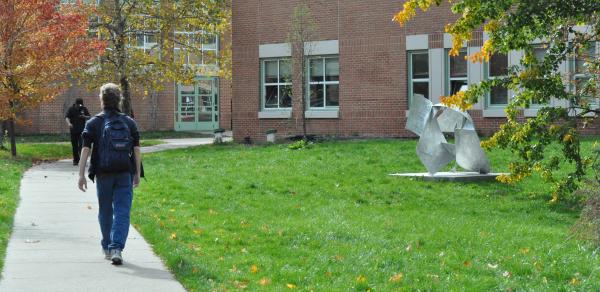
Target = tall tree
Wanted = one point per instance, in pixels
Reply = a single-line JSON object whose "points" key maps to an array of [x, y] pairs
{"points": [[569, 30], [41, 43], [303, 31], [152, 42]]}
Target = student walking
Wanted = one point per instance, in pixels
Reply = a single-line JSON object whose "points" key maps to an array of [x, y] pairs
{"points": [[76, 117], [115, 165]]}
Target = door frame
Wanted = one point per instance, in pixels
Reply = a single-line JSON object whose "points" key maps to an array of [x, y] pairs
{"points": [[198, 125]]}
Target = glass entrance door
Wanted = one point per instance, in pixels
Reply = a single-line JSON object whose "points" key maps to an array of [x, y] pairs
{"points": [[198, 105]]}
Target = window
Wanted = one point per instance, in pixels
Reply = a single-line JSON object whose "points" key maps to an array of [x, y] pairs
{"points": [[276, 82], [324, 82], [539, 52], [456, 72], [418, 77], [202, 48], [497, 67], [581, 74]]}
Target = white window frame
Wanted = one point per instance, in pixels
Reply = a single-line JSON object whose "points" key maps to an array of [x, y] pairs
{"points": [[324, 82], [447, 73], [263, 84], [488, 95], [412, 80]]}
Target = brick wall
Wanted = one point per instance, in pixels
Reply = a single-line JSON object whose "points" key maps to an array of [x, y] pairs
{"points": [[373, 80]]}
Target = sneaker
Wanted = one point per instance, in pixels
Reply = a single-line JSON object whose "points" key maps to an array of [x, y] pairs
{"points": [[106, 254], [115, 257]]}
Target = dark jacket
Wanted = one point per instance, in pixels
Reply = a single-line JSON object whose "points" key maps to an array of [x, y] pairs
{"points": [[93, 133], [77, 115]]}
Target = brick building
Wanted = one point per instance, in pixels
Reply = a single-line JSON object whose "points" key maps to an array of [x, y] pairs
{"points": [[363, 70], [202, 106]]}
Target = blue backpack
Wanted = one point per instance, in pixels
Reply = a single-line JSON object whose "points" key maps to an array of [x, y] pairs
{"points": [[115, 144]]}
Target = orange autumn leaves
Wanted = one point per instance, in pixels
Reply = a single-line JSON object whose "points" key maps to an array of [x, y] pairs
{"points": [[40, 46]]}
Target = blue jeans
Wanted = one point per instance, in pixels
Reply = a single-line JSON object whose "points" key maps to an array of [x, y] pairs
{"points": [[115, 195]]}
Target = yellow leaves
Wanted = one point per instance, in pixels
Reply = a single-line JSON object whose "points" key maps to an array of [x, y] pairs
{"points": [[467, 264], [254, 269], [575, 280], [264, 282], [524, 250], [492, 266], [568, 138], [290, 286], [484, 55], [361, 279], [491, 26], [458, 100], [212, 212], [198, 231], [409, 10], [397, 278], [173, 236]]}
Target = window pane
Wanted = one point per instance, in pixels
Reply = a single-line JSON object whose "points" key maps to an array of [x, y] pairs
{"points": [[271, 96], [588, 54], [420, 66], [271, 72], [498, 95], [194, 59], [421, 88], [151, 39], [210, 42], [285, 96], [205, 87], [209, 57], [316, 70], [455, 86], [458, 65], [139, 40], [285, 71], [539, 53], [332, 69], [333, 95], [498, 65], [316, 95]]}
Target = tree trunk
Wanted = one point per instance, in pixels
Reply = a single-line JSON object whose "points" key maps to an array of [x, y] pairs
{"points": [[11, 133], [126, 103], [1, 134]]}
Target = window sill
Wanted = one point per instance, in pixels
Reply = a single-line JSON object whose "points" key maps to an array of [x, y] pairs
{"points": [[322, 114], [494, 113], [530, 112], [275, 114]]}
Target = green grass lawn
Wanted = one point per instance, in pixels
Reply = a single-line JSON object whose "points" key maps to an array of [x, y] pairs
{"points": [[330, 218], [10, 177], [151, 135]]}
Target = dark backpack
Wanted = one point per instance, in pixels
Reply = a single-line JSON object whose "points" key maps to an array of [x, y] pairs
{"points": [[115, 144]]}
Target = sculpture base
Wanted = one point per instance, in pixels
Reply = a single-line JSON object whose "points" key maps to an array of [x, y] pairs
{"points": [[452, 176]]}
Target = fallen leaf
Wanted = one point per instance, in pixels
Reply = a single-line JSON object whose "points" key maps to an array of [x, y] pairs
{"points": [[244, 250], [396, 278], [290, 286], [524, 250], [467, 263], [328, 274], [254, 269], [198, 231], [264, 281], [574, 281], [173, 235], [233, 269], [172, 210], [493, 266], [361, 279], [409, 247], [506, 274]]}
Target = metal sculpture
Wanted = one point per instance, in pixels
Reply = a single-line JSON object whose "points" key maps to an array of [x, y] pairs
{"points": [[430, 122]]}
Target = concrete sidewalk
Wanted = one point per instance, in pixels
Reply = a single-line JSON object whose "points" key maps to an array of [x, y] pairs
{"points": [[55, 244]]}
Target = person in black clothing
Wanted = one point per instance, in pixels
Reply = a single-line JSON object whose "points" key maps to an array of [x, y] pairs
{"points": [[76, 117]]}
